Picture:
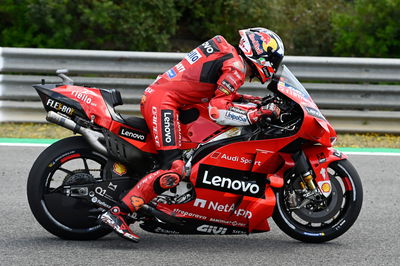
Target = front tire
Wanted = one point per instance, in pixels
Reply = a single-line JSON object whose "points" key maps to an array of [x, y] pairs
{"points": [[67, 162], [315, 226]]}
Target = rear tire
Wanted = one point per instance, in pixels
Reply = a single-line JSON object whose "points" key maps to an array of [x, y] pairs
{"points": [[323, 225], [63, 216]]}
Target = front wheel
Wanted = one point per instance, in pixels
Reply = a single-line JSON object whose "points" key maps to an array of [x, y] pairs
{"points": [[321, 222]]}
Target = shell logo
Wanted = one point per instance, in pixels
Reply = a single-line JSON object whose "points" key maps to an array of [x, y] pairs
{"points": [[326, 187], [119, 169]]}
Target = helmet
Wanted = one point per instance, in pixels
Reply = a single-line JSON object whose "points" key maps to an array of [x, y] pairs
{"points": [[263, 50]]}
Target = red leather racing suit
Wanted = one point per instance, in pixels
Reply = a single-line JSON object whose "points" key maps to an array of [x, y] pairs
{"points": [[212, 72]]}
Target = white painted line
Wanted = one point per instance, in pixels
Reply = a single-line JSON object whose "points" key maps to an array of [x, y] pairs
{"points": [[372, 153], [24, 144], [347, 153]]}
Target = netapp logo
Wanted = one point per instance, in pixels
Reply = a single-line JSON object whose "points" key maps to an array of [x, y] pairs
{"points": [[230, 180], [168, 135], [132, 134], [216, 206]]}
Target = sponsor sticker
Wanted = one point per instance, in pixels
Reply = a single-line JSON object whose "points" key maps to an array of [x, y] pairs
{"points": [[193, 56], [194, 215], [228, 85], [234, 158], [119, 169], [168, 134], [326, 187], [83, 95], [155, 126], [314, 112], [227, 92], [171, 73], [231, 180], [208, 48], [238, 110], [180, 67], [236, 117], [227, 208], [211, 229], [60, 107], [112, 186], [132, 134]]}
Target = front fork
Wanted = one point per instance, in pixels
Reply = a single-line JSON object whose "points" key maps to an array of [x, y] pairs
{"points": [[302, 168], [312, 164]]}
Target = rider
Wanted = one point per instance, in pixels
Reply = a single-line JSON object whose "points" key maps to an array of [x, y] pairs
{"points": [[213, 72]]}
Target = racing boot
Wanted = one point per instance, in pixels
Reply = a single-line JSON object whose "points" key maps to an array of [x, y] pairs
{"points": [[115, 219], [153, 184], [144, 191]]}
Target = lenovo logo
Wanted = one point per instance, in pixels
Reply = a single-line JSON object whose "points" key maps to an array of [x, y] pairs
{"points": [[225, 182], [132, 134], [168, 134], [231, 180]]}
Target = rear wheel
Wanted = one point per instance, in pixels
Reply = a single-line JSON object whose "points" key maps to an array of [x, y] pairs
{"points": [[70, 161], [320, 220]]}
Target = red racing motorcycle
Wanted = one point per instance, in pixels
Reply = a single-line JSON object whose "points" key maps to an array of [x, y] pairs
{"points": [[237, 177]]}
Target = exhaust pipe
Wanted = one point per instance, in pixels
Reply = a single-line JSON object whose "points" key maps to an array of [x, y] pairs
{"points": [[92, 137]]}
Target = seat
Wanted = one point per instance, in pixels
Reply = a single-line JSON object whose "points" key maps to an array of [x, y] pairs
{"points": [[135, 122]]}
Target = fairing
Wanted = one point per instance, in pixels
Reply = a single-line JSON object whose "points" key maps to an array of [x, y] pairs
{"points": [[315, 126], [234, 175]]}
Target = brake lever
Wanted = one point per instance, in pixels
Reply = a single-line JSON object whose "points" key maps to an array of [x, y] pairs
{"points": [[264, 121], [265, 100]]}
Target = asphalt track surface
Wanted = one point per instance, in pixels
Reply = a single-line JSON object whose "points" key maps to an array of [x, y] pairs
{"points": [[373, 240]]}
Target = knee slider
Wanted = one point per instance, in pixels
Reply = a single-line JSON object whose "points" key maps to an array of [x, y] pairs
{"points": [[169, 180]]}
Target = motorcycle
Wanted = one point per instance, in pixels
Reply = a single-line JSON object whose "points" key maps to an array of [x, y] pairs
{"points": [[236, 177]]}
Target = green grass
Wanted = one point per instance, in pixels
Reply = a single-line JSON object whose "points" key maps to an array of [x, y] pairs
{"points": [[50, 131]]}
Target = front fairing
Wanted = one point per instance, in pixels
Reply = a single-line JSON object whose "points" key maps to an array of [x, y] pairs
{"points": [[315, 127]]}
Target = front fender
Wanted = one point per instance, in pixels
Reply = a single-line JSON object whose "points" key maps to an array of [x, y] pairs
{"points": [[320, 158]]}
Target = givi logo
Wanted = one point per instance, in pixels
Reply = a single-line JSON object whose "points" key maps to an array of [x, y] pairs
{"points": [[210, 229]]}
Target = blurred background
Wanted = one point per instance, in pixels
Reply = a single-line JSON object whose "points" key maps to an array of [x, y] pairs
{"points": [[364, 28]]}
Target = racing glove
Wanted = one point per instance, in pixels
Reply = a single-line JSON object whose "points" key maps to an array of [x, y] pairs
{"points": [[270, 110]]}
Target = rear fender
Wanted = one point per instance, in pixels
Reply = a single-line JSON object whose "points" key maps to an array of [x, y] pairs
{"points": [[320, 158], [55, 101]]}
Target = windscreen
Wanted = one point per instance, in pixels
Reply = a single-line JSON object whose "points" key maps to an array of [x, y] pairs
{"points": [[291, 82]]}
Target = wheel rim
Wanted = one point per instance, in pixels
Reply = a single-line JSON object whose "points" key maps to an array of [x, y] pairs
{"points": [[77, 167], [314, 219]]}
